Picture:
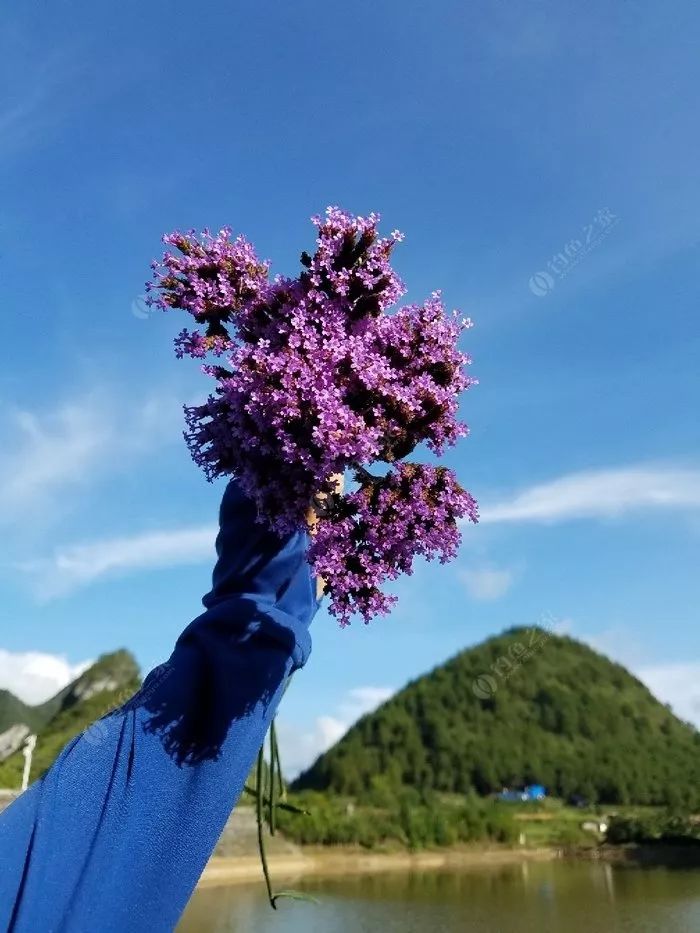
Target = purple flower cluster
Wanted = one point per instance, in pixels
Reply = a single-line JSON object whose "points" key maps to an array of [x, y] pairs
{"points": [[378, 530], [321, 378]]}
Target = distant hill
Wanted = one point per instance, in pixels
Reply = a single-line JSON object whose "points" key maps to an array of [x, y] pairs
{"points": [[107, 683], [523, 707], [13, 711]]}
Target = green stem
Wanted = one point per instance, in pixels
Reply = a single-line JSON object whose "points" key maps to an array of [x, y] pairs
{"points": [[264, 794], [261, 834], [278, 766], [271, 782], [289, 807]]}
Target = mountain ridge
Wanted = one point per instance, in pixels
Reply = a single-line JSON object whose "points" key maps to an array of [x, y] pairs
{"points": [[523, 707], [107, 682]]}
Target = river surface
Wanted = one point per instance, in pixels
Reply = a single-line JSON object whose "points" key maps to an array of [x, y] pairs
{"points": [[542, 897]]}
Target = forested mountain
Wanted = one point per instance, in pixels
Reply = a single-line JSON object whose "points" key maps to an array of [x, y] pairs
{"points": [[524, 707], [108, 682], [13, 711]]}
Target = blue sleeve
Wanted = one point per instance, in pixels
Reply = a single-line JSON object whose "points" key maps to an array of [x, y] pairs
{"points": [[116, 834]]}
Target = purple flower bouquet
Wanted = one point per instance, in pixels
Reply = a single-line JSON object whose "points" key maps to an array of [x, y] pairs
{"points": [[320, 378]]}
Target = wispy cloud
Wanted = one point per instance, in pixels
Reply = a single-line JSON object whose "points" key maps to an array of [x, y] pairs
{"points": [[43, 91], [34, 676], [46, 455], [486, 583], [75, 566], [603, 493], [300, 748]]}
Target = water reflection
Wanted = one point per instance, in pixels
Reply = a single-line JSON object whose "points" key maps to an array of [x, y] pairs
{"points": [[525, 898]]}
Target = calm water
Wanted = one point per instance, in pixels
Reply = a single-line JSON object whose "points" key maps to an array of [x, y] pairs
{"points": [[552, 897]]}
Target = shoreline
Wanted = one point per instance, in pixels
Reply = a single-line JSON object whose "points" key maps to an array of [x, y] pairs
{"points": [[319, 862]]}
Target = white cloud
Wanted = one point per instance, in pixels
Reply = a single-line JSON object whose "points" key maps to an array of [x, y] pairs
{"points": [[558, 626], [619, 643], [676, 684], [45, 456], [78, 565], [299, 749], [34, 676], [603, 493], [486, 583], [363, 700]]}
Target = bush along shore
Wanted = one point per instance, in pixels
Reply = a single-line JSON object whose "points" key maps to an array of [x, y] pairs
{"points": [[328, 835], [407, 820]]}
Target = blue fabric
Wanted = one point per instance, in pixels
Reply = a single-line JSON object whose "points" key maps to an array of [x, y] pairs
{"points": [[116, 834]]}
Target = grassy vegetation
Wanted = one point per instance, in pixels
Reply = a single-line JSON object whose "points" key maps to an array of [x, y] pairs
{"points": [[408, 821], [414, 821]]}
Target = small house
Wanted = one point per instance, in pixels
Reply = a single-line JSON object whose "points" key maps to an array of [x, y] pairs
{"points": [[526, 794]]}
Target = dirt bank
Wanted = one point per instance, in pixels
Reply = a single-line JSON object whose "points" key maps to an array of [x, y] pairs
{"points": [[343, 861]]}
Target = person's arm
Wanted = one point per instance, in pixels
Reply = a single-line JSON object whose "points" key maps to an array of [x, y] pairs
{"points": [[116, 834]]}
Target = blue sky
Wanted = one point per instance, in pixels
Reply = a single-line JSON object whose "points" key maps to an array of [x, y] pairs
{"points": [[542, 161]]}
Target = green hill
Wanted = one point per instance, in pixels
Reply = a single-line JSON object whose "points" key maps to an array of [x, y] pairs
{"points": [[13, 711], [523, 707], [107, 683]]}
